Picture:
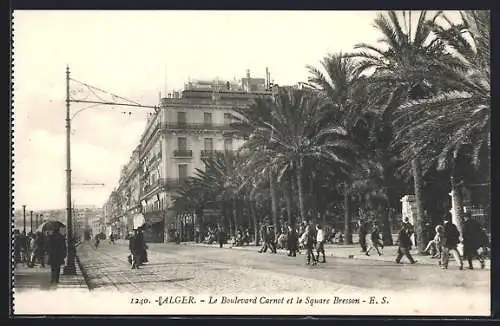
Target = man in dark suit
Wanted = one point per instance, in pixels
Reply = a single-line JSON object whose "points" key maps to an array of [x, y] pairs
{"points": [[404, 244], [473, 239], [56, 246]]}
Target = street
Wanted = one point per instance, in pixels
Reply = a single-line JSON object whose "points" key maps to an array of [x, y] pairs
{"points": [[195, 269]]}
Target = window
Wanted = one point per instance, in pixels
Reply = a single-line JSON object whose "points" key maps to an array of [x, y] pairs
{"points": [[182, 143], [209, 144], [207, 118], [183, 171], [228, 144], [181, 118], [227, 118]]}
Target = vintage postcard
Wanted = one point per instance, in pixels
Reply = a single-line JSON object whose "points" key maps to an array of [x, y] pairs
{"points": [[251, 162]]}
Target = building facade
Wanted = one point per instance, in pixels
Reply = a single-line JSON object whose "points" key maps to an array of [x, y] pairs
{"points": [[189, 125]]}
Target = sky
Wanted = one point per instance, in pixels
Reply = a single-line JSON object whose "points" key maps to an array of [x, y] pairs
{"points": [[137, 55]]}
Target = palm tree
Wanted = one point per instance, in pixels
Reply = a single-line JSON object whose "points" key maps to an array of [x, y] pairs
{"points": [[347, 93], [456, 122], [191, 198], [403, 70], [295, 135]]}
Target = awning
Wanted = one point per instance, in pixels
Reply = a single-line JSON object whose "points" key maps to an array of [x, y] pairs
{"points": [[139, 220]]}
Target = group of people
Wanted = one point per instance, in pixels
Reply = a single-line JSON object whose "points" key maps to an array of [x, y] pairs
{"points": [[35, 247], [447, 239], [311, 237], [446, 242]]}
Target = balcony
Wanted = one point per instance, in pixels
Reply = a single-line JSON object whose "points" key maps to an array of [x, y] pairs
{"points": [[183, 153], [197, 126], [209, 153]]}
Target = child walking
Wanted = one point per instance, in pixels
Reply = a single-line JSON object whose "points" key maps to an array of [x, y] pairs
{"points": [[376, 242]]}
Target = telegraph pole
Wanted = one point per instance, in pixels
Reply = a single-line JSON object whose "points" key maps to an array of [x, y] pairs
{"points": [[70, 268], [24, 219], [31, 221]]}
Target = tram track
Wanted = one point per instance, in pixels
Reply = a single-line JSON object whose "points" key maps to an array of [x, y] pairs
{"points": [[128, 279]]}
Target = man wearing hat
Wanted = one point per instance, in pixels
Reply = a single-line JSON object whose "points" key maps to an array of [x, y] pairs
{"points": [[451, 238]]}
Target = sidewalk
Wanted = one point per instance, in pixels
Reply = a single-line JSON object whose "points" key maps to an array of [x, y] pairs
{"points": [[26, 278], [344, 251]]}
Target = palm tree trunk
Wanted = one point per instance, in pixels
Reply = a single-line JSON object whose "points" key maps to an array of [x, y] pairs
{"points": [[456, 201], [254, 216], [274, 202], [419, 222], [302, 209], [235, 214], [288, 202], [347, 215], [386, 226], [228, 216]]}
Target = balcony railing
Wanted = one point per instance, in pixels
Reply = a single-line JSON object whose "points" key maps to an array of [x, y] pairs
{"points": [[183, 153], [197, 126], [209, 152]]}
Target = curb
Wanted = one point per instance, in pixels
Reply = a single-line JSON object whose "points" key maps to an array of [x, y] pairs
{"points": [[85, 276]]}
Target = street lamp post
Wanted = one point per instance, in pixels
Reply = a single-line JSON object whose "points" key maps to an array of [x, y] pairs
{"points": [[69, 268], [31, 221], [24, 219]]}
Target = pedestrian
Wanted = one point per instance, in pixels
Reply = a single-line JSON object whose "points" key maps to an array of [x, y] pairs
{"points": [[38, 253], [404, 245], [435, 246], [376, 242], [320, 243], [264, 236], [111, 239], [17, 246], [451, 238], [142, 247], [197, 234], [134, 247], [411, 231], [308, 239], [271, 239], [292, 245], [221, 237], [362, 232], [24, 241], [56, 244], [97, 241], [473, 239]]}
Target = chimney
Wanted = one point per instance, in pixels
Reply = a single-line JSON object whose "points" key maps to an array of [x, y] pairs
{"points": [[248, 73]]}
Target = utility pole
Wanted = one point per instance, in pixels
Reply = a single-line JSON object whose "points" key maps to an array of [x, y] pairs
{"points": [[31, 221], [24, 219], [36, 221], [70, 268]]}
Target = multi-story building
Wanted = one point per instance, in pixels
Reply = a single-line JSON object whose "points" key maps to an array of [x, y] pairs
{"points": [[84, 219], [188, 126]]}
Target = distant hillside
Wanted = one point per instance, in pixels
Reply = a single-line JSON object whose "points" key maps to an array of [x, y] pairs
{"points": [[54, 214]]}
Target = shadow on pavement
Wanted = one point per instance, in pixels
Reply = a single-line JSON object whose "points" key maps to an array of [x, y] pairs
{"points": [[149, 281]]}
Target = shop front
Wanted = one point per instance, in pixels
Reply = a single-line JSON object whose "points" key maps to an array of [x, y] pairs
{"points": [[154, 226]]}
